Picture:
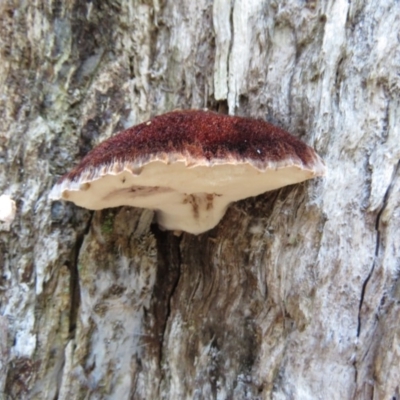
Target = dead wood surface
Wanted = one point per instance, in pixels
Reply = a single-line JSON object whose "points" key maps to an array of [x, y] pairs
{"points": [[294, 295]]}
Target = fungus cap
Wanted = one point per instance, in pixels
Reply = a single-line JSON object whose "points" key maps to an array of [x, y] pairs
{"points": [[188, 166]]}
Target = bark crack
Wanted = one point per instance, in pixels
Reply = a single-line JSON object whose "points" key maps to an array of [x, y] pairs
{"points": [[169, 275], [174, 283], [377, 244], [376, 254], [229, 52], [74, 294], [74, 288]]}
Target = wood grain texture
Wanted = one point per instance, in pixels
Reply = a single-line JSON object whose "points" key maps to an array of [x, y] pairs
{"points": [[295, 294]]}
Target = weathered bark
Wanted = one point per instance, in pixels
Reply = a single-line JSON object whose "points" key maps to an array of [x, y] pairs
{"points": [[295, 294]]}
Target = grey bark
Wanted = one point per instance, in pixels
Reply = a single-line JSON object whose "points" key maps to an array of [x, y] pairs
{"points": [[295, 294]]}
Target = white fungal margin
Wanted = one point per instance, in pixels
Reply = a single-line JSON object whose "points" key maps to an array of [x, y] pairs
{"points": [[187, 194]]}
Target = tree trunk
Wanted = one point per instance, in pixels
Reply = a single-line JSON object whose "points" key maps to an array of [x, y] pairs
{"points": [[294, 295]]}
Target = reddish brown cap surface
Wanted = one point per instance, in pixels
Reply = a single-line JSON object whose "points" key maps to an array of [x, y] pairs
{"points": [[200, 135]]}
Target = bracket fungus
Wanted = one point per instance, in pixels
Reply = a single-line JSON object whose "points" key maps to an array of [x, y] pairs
{"points": [[188, 166]]}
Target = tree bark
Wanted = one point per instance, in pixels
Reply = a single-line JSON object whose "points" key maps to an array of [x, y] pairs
{"points": [[294, 295]]}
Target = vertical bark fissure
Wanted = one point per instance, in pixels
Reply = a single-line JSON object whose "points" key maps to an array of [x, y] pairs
{"points": [[228, 56], [172, 292], [169, 263], [231, 43], [377, 244], [74, 296], [75, 293], [377, 250]]}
